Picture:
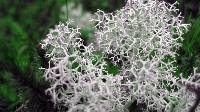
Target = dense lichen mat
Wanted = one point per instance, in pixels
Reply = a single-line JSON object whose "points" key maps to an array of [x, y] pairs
{"points": [[116, 55]]}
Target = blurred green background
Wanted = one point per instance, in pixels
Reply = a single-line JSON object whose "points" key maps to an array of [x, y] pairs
{"points": [[24, 23]]}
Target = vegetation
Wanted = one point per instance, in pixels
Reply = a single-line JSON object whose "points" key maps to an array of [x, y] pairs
{"points": [[24, 23]]}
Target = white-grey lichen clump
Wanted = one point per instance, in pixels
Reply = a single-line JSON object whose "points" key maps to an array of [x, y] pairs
{"points": [[144, 36], [88, 89]]}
